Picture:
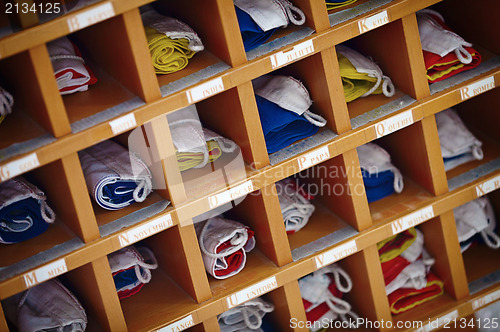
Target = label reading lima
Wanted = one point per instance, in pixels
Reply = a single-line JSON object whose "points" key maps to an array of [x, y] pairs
{"points": [[297, 52], [205, 90], [488, 186], [123, 123], [45, 272], [394, 123], [91, 16], [252, 292], [413, 219], [477, 88], [373, 22], [335, 254], [487, 299], [154, 226], [19, 166], [231, 194], [180, 325], [314, 157]]}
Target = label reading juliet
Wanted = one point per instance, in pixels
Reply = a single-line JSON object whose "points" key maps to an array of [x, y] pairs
{"points": [[412, 219], [231, 194], [299, 51], [314, 157], [335, 254], [373, 22], [251, 292], [19, 166], [205, 90], [180, 325], [477, 88], [394, 123], [154, 226], [123, 124], [488, 186], [91, 16], [45, 272]]}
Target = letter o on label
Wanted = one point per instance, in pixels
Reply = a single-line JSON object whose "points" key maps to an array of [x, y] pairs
{"points": [[380, 128], [213, 201]]}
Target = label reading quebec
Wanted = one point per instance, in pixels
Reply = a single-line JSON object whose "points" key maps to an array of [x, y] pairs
{"points": [[123, 124], [45, 272], [394, 123], [488, 186], [335, 254], [477, 88], [205, 90], [231, 194], [314, 157], [180, 325], [154, 226], [485, 300], [413, 219], [19, 166], [91, 16], [373, 22], [251, 292], [297, 52]]}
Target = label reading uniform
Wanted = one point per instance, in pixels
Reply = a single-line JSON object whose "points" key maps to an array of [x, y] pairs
{"points": [[146, 230], [488, 186], [231, 194], [314, 157], [252, 292], [123, 123], [45, 272], [205, 90], [16, 167], [412, 219], [299, 51], [394, 123], [373, 22], [477, 88], [485, 300], [91, 16], [180, 325], [335, 254]]}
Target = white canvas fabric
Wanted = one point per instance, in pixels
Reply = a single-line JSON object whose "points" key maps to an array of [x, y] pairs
{"points": [[140, 258], [6, 102], [186, 131], [366, 66], [295, 209], [456, 140], [413, 252], [63, 57], [413, 275], [438, 40], [271, 14], [216, 231], [225, 144], [248, 315]]}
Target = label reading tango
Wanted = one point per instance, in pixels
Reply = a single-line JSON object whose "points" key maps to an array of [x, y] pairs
{"points": [[373, 22], [180, 325], [299, 51], [335, 254], [252, 292], [205, 90], [488, 186], [123, 123], [394, 123], [314, 157], [154, 226], [485, 300], [19, 166], [412, 219], [91, 16], [231, 194], [45, 272], [477, 88]]}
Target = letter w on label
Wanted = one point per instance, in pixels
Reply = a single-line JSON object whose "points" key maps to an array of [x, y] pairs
{"points": [[45, 273], [413, 219], [251, 292]]}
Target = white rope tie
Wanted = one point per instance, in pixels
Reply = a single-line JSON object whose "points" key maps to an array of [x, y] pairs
{"points": [[146, 186], [398, 180], [388, 87], [477, 152], [7, 101], [246, 317], [67, 56], [295, 15], [492, 240], [239, 241], [47, 213], [315, 119], [225, 144], [146, 267], [463, 55]]}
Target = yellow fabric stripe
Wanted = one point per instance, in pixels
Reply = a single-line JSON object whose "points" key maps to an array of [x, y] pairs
{"points": [[416, 303], [335, 5]]}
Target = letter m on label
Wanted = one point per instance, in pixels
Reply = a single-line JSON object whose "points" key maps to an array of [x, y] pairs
{"points": [[30, 279]]}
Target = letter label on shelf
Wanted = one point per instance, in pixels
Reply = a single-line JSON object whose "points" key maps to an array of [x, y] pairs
{"points": [[91, 16], [413, 219], [373, 22], [394, 123], [488, 186], [141, 232], [477, 88], [297, 52], [314, 157], [205, 90], [19, 166], [180, 325], [251, 292], [486, 299], [123, 124], [231, 194], [335, 254], [45, 272]]}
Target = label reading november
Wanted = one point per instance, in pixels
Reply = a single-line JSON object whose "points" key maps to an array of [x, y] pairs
{"points": [[394, 123], [297, 52], [91, 16], [231, 194], [19, 166], [45, 272], [373, 22], [413, 219], [123, 124], [154, 226], [251, 292], [205, 90], [180, 325], [488, 186], [477, 88], [335, 254], [314, 157]]}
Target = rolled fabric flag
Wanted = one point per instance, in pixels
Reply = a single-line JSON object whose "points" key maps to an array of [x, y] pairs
{"points": [[224, 244], [48, 306], [259, 19], [171, 42], [72, 75], [334, 4], [131, 268], [413, 275], [283, 104], [115, 176], [476, 217], [458, 144], [445, 53], [361, 76], [24, 212], [380, 177], [405, 299], [245, 317], [295, 208], [395, 245]]}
